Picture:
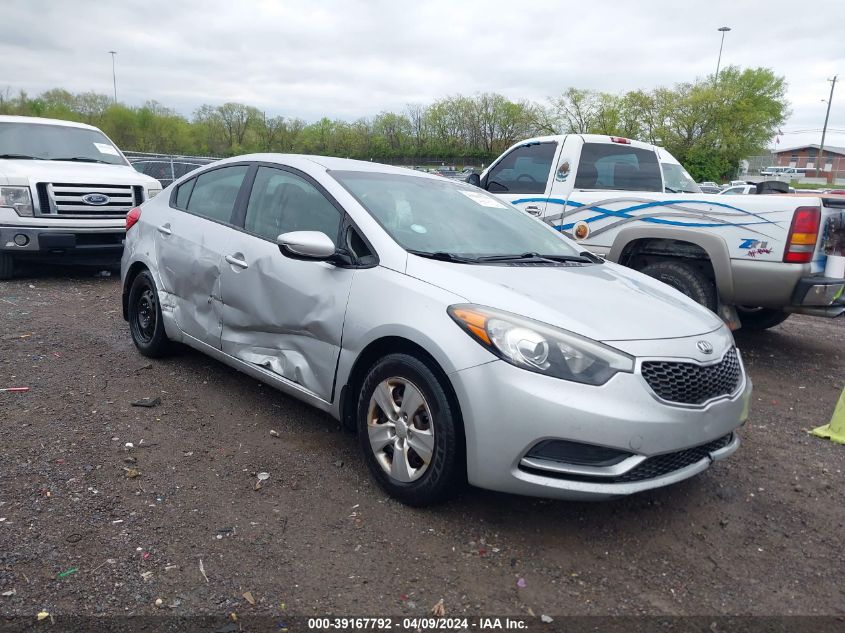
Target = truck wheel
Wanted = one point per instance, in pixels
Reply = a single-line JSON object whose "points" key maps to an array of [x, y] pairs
{"points": [[7, 266], [685, 278], [758, 319]]}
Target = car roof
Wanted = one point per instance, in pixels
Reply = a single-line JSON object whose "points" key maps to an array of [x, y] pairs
{"points": [[329, 163], [6, 118]]}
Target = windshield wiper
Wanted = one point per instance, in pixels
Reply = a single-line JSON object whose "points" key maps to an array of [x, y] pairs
{"points": [[20, 156], [444, 257], [583, 258], [84, 159]]}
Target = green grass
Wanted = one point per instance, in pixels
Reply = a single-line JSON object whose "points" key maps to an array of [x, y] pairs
{"points": [[806, 185]]}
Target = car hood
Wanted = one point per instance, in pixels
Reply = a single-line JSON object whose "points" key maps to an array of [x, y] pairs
{"points": [[21, 172], [605, 302]]}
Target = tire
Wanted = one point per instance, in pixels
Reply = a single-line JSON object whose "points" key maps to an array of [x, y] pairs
{"points": [[434, 424], [7, 266], [759, 319], [144, 314], [685, 278]]}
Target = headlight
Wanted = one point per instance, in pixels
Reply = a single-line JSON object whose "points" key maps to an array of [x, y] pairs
{"points": [[539, 347], [17, 198], [152, 193]]}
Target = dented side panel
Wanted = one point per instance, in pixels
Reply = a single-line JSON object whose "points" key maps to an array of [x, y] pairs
{"points": [[190, 260], [284, 315]]}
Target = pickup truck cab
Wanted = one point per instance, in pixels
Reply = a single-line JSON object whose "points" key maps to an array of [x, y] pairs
{"points": [[753, 259], [65, 190]]}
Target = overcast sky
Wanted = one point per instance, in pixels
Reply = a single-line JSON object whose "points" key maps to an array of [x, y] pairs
{"points": [[345, 59]]}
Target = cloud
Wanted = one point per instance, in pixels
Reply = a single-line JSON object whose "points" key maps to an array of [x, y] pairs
{"points": [[347, 59]]}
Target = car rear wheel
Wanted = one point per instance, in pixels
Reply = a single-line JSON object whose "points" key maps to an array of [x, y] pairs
{"points": [[758, 319], [7, 266], [145, 322], [685, 278], [408, 431]]}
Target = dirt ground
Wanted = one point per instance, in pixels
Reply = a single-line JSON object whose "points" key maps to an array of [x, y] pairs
{"points": [[89, 525]]}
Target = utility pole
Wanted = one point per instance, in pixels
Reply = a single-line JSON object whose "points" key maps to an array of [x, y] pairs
{"points": [[824, 129], [113, 75], [723, 29]]}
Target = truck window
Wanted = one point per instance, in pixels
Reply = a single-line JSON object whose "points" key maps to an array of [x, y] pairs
{"points": [[524, 170], [620, 167]]}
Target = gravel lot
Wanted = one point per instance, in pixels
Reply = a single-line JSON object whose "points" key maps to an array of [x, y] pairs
{"points": [[89, 526]]}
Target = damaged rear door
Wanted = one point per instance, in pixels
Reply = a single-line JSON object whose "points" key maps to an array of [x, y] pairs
{"points": [[282, 314], [190, 244]]}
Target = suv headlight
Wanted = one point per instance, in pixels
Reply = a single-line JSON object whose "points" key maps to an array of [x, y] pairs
{"points": [[18, 198], [539, 347], [152, 193]]}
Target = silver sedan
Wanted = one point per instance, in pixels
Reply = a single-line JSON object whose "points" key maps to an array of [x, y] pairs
{"points": [[462, 339]]}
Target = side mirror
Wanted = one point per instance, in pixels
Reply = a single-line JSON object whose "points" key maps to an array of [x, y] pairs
{"points": [[312, 245], [474, 179]]}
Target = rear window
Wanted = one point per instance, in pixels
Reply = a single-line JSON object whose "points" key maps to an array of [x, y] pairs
{"points": [[619, 167]]}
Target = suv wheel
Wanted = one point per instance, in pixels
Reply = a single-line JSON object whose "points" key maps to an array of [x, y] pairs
{"points": [[408, 431], [145, 321], [685, 278], [7, 266]]}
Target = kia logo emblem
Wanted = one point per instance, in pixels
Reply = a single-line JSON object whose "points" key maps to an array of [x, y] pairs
{"points": [[97, 199], [705, 347]]}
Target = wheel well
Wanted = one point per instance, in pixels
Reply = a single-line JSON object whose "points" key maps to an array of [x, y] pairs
{"points": [[640, 253], [134, 270], [370, 355]]}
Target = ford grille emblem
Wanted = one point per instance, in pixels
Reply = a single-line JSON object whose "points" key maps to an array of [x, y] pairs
{"points": [[97, 199], [705, 347]]}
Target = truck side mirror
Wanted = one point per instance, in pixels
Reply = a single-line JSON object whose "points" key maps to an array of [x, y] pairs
{"points": [[474, 179]]}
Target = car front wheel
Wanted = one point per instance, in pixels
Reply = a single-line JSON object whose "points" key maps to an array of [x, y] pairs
{"points": [[408, 431]]}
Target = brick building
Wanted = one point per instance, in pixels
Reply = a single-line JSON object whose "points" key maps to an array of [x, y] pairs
{"points": [[807, 156]]}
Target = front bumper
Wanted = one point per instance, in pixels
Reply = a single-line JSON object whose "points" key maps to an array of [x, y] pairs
{"points": [[507, 411], [48, 241]]}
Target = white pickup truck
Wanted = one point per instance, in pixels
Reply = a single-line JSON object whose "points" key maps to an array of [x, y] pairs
{"points": [[752, 259], [65, 190]]}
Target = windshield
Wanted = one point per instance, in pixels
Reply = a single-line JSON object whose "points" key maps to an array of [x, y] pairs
{"points": [[433, 216], [677, 180], [57, 142]]}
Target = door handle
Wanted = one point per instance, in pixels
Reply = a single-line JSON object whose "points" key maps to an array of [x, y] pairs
{"points": [[533, 209], [235, 260], [164, 229]]}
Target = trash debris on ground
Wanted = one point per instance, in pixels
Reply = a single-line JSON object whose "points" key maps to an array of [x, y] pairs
{"points": [[547, 619], [262, 477], [438, 610], [67, 572], [202, 571], [15, 389], [42, 615], [9, 593], [147, 402], [249, 597], [274, 433], [129, 445], [103, 273], [159, 602], [521, 583]]}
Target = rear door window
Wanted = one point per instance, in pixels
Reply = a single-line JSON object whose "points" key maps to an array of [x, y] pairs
{"points": [[215, 192], [524, 170], [618, 167]]}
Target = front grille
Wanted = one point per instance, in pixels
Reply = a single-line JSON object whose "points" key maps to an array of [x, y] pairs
{"points": [[650, 468], [691, 383], [66, 199]]}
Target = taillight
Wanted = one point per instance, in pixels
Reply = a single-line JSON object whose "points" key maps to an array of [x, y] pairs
{"points": [[619, 139], [132, 217], [803, 235]]}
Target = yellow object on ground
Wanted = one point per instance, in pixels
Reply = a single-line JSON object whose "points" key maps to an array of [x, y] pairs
{"points": [[835, 431]]}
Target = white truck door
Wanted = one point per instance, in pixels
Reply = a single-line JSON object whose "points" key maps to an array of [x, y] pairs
{"points": [[523, 176]]}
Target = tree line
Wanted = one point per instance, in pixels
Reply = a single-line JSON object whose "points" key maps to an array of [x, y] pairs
{"points": [[708, 124]]}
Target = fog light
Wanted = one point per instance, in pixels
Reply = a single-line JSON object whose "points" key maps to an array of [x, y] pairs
{"points": [[21, 239]]}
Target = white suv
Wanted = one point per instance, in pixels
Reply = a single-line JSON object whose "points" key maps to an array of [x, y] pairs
{"points": [[65, 190]]}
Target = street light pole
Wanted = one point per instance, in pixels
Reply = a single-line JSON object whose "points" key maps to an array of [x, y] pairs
{"points": [[113, 75], [723, 29], [824, 129]]}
